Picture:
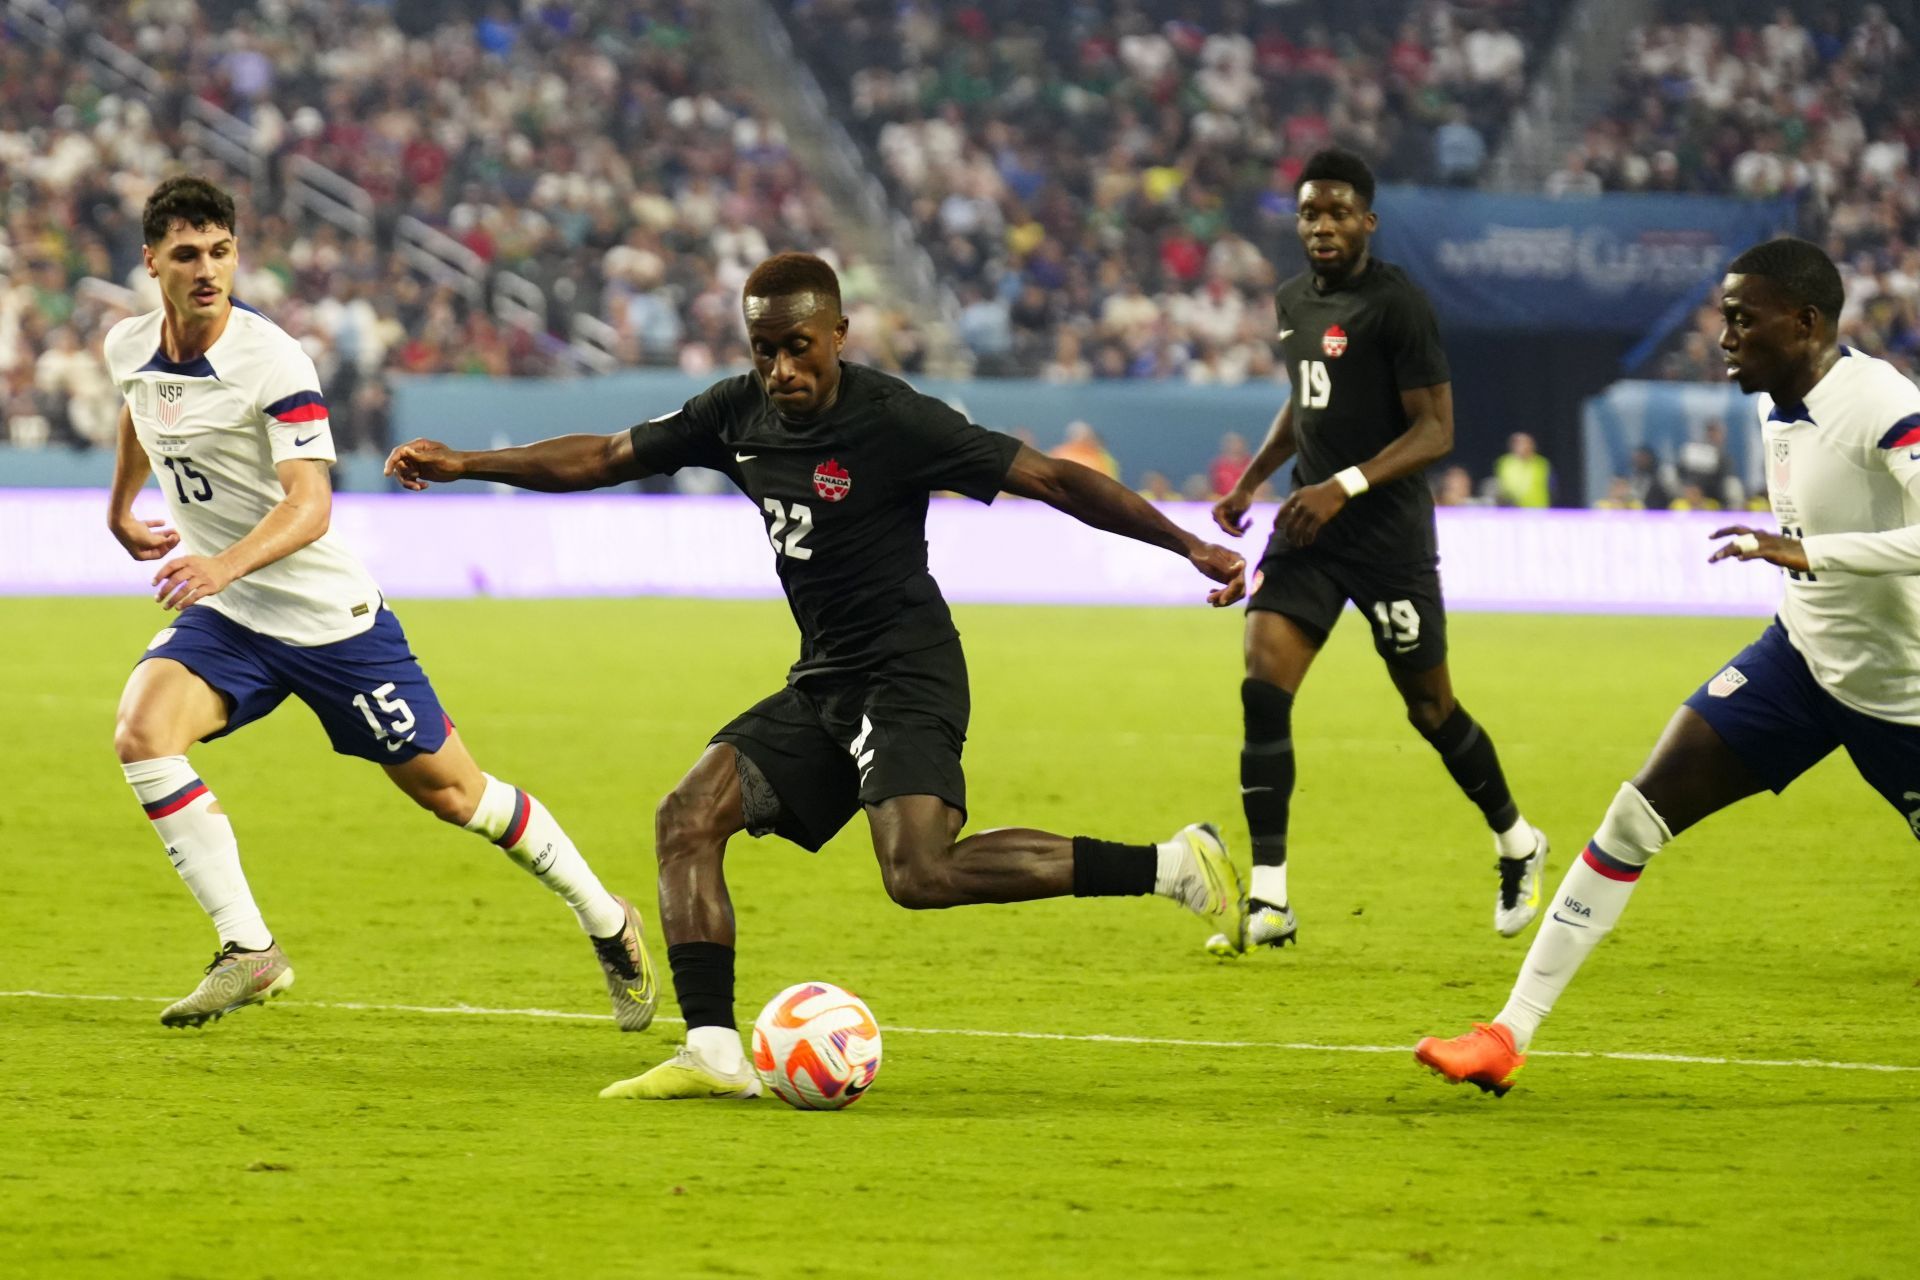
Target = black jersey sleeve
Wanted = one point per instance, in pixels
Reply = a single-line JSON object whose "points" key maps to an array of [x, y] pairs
{"points": [[687, 437], [1414, 337], [940, 450]]}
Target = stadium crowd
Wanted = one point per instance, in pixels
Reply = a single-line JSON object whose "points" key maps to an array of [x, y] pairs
{"points": [[1790, 100], [605, 163], [1109, 187]]}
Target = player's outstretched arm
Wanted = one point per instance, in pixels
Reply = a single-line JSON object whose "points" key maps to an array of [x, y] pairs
{"points": [[143, 539], [562, 464], [1230, 513], [1094, 500], [1427, 439]]}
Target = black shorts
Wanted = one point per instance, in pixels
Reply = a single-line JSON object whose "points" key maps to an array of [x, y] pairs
{"points": [[846, 741], [1400, 601]]}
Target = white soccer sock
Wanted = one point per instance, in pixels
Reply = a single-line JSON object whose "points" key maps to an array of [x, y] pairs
{"points": [[1585, 909], [719, 1048], [200, 845], [1270, 884], [1517, 841], [522, 826], [1167, 868]]}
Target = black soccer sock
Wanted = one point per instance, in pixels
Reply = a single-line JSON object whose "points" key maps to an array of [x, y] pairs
{"points": [[1468, 753], [1266, 769], [1109, 869], [703, 983]]}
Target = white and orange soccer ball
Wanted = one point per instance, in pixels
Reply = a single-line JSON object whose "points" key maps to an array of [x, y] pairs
{"points": [[816, 1046]]}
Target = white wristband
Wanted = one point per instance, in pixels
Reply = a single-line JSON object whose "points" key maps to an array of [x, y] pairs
{"points": [[1352, 481]]}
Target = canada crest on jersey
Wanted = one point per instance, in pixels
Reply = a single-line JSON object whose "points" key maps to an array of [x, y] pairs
{"points": [[1334, 342], [831, 481], [171, 396]]}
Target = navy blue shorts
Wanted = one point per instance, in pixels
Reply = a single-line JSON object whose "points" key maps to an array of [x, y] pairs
{"points": [[1778, 719], [368, 690]]}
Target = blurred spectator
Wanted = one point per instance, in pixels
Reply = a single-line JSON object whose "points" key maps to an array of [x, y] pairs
{"points": [[1620, 496], [1155, 487], [1703, 464], [1459, 151], [1084, 446], [1454, 488], [1573, 178], [1523, 478], [1229, 465], [1648, 483]]}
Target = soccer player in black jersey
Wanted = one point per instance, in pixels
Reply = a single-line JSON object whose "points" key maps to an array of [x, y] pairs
{"points": [[841, 459], [1371, 408]]}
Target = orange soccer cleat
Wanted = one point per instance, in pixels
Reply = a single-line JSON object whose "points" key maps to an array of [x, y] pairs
{"points": [[1485, 1056]]}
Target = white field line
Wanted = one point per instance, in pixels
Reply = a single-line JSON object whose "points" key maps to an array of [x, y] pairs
{"points": [[1278, 1046]]}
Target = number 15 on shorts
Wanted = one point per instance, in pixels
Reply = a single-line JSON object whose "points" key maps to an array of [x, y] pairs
{"points": [[395, 732]]}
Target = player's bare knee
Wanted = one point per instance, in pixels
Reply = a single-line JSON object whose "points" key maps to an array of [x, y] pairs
{"points": [[134, 739], [450, 803]]}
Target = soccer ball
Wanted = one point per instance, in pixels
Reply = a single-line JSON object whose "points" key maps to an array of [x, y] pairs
{"points": [[816, 1047]]}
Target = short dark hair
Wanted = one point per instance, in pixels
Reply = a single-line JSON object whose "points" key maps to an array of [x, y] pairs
{"points": [[189, 199], [786, 273], [1337, 164], [1800, 268]]}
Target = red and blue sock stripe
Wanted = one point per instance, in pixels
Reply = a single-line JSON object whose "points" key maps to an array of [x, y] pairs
{"points": [[517, 826], [172, 804], [1608, 865]]}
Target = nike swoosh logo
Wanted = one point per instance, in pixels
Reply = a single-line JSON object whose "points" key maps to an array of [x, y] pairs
{"points": [[395, 744], [298, 443], [1247, 791], [1285, 334], [640, 997], [1575, 923], [745, 457], [1914, 454]]}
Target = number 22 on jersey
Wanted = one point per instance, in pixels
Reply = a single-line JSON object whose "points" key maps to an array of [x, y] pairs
{"points": [[1314, 384], [795, 526]]}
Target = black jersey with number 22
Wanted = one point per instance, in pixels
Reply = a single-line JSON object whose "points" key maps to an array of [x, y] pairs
{"points": [[844, 497], [1351, 351]]}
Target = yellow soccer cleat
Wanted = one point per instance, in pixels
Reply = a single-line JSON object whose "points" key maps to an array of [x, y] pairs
{"points": [[1208, 883], [629, 972], [684, 1075], [235, 979]]}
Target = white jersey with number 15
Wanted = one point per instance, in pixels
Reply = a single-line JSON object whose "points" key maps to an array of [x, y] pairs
{"points": [[214, 430]]}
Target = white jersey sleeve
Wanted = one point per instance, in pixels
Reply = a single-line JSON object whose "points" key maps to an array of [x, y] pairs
{"points": [[294, 410], [1897, 451]]}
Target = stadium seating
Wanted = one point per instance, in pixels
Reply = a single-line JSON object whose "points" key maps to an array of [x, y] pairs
{"points": [[514, 183], [1805, 99], [1108, 187]]}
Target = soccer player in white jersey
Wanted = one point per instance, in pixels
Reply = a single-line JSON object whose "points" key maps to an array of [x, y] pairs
{"points": [[1839, 666], [225, 409]]}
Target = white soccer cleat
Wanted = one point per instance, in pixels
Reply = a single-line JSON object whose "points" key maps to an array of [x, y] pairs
{"points": [[1519, 900], [1267, 926]]}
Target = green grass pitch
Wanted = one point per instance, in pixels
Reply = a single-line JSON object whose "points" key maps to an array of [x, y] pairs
{"points": [[313, 1138]]}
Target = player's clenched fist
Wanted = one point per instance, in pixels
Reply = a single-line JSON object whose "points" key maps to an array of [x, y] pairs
{"points": [[418, 463]]}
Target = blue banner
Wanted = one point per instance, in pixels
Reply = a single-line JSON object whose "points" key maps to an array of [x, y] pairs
{"points": [[1600, 264]]}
